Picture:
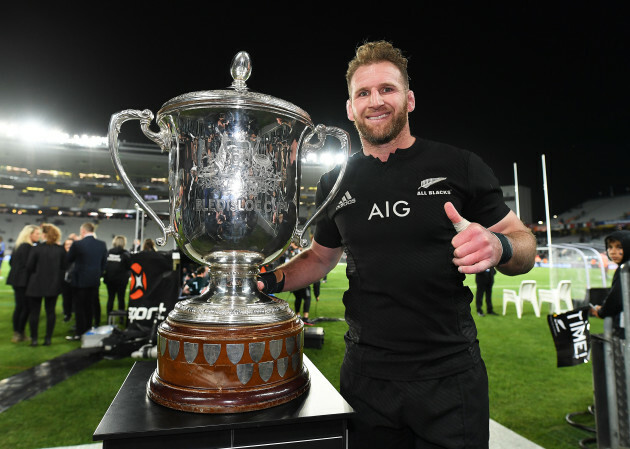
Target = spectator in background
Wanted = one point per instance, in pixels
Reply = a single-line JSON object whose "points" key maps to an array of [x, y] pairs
{"points": [[303, 295], [1, 255], [484, 281], [186, 274], [117, 272], [148, 245], [317, 288], [18, 278], [66, 286], [89, 256], [46, 268], [618, 250]]}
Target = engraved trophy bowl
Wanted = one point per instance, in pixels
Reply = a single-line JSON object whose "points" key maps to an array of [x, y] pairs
{"points": [[234, 182]]}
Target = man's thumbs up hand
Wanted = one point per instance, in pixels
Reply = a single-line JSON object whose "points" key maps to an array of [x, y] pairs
{"points": [[459, 223], [475, 248]]}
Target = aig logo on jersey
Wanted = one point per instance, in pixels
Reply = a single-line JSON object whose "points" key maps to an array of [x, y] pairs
{"points": [[385, 210], [422, 190]]}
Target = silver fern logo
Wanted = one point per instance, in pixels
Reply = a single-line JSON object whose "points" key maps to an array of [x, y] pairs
{"points": [[429, 182]]}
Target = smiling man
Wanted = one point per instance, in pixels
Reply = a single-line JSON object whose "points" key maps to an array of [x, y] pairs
{"points": [[412, 368], [379, 103]]}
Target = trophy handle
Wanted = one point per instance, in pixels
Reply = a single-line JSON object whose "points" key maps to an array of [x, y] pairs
{"points": [[161, 138], [322, 131]]}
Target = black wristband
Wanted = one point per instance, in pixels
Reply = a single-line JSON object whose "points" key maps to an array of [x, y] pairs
{"points": [[507, 253], [271, 285]]}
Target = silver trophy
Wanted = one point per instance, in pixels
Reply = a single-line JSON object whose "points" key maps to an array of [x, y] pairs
{"points": [[234, 182]]}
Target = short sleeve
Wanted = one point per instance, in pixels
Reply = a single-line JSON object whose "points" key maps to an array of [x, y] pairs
{"points": [[326, 231], [486, 205]]}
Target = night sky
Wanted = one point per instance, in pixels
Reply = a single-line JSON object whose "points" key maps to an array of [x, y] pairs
{"points": [[510, 81]]}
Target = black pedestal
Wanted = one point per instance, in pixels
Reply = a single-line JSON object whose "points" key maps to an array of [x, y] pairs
{"points": [[317, 419]]}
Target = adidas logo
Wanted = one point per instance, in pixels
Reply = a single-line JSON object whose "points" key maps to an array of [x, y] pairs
{"points": [[346, 200]]}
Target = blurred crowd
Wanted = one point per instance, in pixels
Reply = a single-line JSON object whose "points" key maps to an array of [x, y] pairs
{"points": [[44, 266]]}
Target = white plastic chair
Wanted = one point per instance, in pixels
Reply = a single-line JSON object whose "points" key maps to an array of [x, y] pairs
{"points": [[526, 292], [556, 296]]}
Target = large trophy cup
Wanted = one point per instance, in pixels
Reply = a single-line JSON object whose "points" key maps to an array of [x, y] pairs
{"points": [[234, 177]]}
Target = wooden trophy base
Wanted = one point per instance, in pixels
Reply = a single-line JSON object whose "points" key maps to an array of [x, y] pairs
{"points": [[209, 368]]}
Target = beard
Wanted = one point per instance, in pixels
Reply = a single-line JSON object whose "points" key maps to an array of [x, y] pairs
{"points": [[386, 134]]}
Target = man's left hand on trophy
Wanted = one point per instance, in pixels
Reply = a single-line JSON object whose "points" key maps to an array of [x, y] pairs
{"points": [[271, 282]]}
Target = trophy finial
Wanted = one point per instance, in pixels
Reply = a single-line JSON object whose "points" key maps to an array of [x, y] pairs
{"points": [[241, 69]]}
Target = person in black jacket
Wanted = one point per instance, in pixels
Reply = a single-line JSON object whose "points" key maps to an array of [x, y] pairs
{"points": [[117, 272], [18, 277], [89, 256], [618, 250], [46, 268], [484, 281], [66, 286]]}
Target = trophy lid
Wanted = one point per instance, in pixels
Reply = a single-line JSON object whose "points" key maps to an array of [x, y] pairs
{"points": [[238, 96]]}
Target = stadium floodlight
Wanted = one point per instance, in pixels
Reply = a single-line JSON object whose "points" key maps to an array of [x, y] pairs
{"points": [[329, 159], [34, 132], [325, 158], [88, 141]]}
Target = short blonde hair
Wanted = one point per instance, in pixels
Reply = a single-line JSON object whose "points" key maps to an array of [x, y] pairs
{"points": [[375, 52], [88, 226], [119, 241]]}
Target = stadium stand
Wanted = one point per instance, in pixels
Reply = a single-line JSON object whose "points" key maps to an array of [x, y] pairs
{"points": [[607, 210]]}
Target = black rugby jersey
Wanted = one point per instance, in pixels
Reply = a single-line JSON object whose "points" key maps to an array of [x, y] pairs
{"points": [[407, 309]]}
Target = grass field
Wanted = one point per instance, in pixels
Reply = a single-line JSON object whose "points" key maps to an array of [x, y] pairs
{"points": [[528, 393]]}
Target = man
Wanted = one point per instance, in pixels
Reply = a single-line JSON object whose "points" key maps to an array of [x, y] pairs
{"points": [[412, 368], [89, 256], [484, 281]]}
